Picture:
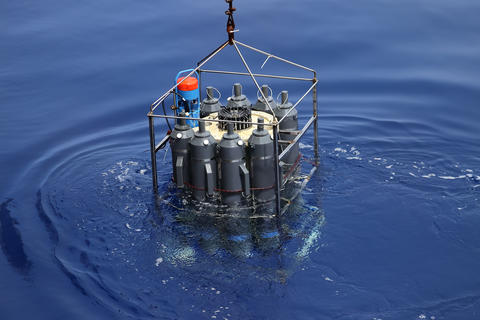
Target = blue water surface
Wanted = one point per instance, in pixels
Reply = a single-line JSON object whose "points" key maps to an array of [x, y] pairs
{"points": [[388, 227]]}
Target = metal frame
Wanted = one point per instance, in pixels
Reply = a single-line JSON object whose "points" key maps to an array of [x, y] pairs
{"points": [[275, 124]]}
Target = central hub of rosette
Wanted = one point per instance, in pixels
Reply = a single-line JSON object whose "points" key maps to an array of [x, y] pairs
{"points": [[235, 113]]}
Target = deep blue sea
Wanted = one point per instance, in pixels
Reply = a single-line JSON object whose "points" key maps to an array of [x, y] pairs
{"points": [[388, 227]]}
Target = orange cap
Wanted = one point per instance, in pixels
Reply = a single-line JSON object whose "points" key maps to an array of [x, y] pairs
{"points": [[189, 84]]}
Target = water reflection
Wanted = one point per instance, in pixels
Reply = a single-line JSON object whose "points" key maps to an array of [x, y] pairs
{"points": [[246, 231]]}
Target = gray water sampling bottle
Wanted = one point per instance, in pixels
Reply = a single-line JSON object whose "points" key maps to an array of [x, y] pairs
{"points": [[179, 143], [210, 104], [261, 105], [238, 99], [261, 163], [234, 176], [203, 175], [290, 123]]}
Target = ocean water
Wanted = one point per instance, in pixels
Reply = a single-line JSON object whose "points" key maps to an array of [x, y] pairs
{"points": [[388, 227]]}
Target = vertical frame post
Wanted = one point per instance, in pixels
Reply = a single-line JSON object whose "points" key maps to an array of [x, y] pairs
{"points": [[174, 91], [278, 182], [199, 84], [153, 153], [315, 114]]}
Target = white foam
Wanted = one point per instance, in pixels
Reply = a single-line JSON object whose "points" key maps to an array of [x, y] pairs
{"points": [[354, 158], [428, 176], [452, 178], [412, 174], [339, 150], [389, 167], [305, 146], [377, 159], [130, 228], [143, 171], [158, 261]]}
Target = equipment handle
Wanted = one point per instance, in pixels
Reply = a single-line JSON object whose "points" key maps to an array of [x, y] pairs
{"points": [[245, 174], [219, 94], [179, 171], [210, 182], [278, 96], [185, 71], [259, 95]]}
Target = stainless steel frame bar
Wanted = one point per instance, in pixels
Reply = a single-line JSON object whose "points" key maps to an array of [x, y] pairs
{"points": [[255, 74], [254, 80], [274, 56], [278, 182], [153, 153], [166, 94], [299, 190], [299, 100], [305, 128], [315, 114], [162, 143], [200, 84]]}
